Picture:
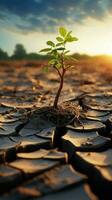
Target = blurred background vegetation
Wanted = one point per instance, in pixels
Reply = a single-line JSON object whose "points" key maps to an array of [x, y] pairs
{"points": [[20, 53]]}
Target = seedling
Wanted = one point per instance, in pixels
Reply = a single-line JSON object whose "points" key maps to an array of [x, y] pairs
{"points": [[59, 54]]}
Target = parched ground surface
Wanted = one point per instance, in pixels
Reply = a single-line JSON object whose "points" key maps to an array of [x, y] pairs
{"points": [[36, 160]]}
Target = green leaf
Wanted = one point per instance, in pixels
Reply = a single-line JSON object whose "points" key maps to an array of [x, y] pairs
{"points": [[58, 66], [46, 69], [75, 38], [59, 44], [50, 43], [54, 52], [67, 57], [52, 62], [71, 39], [59, 39], [66, 52], [45, 50], [62, 31], [72, 58], [68, 34], [60, 49]]}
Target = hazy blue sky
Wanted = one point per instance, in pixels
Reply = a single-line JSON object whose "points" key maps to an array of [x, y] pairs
{"points": [[32, 22]]}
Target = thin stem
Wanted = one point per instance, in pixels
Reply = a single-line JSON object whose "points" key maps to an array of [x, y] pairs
{"points": [[58, 94], [58, 71], [68, 67], [61, 74], [59, 90]]}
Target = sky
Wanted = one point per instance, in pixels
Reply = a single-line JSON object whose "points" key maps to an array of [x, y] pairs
{"points": [[33, 22]]}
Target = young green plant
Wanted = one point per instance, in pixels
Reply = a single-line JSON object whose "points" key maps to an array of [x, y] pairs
{"points": [[58, 55]]}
